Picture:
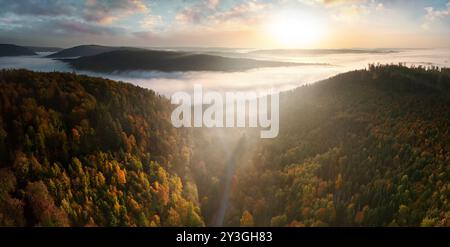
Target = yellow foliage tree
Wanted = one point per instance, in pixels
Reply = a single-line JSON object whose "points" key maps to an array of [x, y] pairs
{"points": [[247, 219]]}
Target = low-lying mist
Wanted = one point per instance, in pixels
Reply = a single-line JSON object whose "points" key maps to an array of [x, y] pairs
{"points": [[281, 78]]}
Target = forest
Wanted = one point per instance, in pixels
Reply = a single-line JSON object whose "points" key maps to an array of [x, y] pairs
{"points": [[364, 148], [82, 151]]}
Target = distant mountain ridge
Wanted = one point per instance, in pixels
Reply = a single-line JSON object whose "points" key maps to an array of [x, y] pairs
{"points": [[87, 50], [14, 50], [167, 61], [320, 51], [44, 48]]}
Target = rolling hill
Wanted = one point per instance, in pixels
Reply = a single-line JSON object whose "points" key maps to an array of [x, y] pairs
{"points": [[168, 61], [364, 148], [15, 50], [83, 151], [44, 49], [87, 50]]}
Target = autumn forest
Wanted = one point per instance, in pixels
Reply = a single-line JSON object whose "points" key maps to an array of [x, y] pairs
{"points": [[364, 148]]}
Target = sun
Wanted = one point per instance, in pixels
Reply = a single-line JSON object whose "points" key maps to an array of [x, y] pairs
{"points": [[295, 29]]}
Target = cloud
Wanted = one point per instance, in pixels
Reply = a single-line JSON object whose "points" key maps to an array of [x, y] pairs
{"points": [[433, 15], [37, 8], [10, 22], [212, 4], [239, 16], [331, 2], [99, 11], [351, 13], [69, 20], [79, 27], [241, 11], [201, 22], [197, 13], [107, 11], [379, 7], [151, 21], [193, 14]]}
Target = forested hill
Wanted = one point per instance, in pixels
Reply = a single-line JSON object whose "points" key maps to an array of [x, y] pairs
{"points": [[87, 50], [15, 50], [368, 147], [168, 61], [364, 148], [77, 150]]}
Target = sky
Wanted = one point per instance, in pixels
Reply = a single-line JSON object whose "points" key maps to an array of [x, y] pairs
{"points": [[268, 24]]}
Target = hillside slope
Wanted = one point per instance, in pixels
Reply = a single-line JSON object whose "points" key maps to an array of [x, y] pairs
{"points": [[15, 50], [364, 148], [167, 61], [44, 49], [86, 50], [77, 150], [368, 148]]}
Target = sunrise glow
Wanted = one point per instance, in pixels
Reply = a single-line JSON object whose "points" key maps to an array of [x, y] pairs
{"points": [[295, 29]]}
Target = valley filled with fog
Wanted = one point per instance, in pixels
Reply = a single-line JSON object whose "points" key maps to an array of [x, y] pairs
{"points": [[329, 63]]}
